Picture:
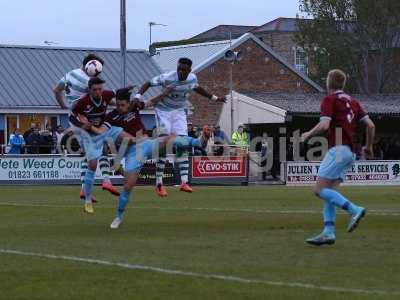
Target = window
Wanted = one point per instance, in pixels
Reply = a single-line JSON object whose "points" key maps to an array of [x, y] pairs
{"points": [[12, 124], [53, 121], [301, 60], [24, 122]]}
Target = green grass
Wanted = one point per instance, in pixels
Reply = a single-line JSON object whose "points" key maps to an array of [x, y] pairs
{"points": [[249, 232]]}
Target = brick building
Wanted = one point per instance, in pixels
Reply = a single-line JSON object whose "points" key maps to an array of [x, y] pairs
{"points": [[260, 70], [279, 34]]}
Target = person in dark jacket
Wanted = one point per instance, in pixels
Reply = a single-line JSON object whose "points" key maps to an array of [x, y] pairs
{"points": [[34, 141], [47, 142], [29, 131]]}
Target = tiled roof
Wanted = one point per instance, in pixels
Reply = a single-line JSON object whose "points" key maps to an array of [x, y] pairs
{"points": [[222, 32], [279, 24], [28, 74], [310, 103], [167, 57]]}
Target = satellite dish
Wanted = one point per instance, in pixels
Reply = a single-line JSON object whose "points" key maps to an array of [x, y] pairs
{"points": [[152, 50], [229, 55], [239, 55]]}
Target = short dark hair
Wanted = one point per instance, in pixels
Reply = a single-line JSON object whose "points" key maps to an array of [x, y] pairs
{"points": [[186, 61], [92, 56], [95, 80], [124, 94]]}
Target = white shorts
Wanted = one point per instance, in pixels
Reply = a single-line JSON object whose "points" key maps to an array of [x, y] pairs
{"points": [[171, 122]]}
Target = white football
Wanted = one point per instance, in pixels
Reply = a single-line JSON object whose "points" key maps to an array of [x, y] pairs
{"points": [[93, 68]]}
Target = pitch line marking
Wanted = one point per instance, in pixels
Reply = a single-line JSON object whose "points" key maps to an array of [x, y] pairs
{"points": [[199, 275], [371, 212]]}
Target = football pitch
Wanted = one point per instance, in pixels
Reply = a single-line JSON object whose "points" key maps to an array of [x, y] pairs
{"points": [[218, 243]]}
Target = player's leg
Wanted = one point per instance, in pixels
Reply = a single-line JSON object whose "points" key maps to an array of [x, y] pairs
{"points": [[331, 173], [89, 182], [187, 143], [84, 164], [134, 158], [343, 159], [130, 179], [179, 128], [93, 146], [328, 235], [105, 169], [164, 123]]}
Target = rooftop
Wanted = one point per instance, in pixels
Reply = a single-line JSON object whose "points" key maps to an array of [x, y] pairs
{"points": [[299, 103], [223, 32], [167, 57], [28, 74]]}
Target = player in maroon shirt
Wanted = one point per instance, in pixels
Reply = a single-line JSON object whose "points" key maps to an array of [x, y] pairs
{"points": [[340, 114], [88, 115], [127, 116]]}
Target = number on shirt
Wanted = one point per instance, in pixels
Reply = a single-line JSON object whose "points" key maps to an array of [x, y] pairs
{"points": [[350, 115]]}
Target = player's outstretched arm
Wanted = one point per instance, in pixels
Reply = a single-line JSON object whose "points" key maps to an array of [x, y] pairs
{"points": [[59, 94], [153, 101], [201, 91], [370, 136], [320, 128], [144, 88]]}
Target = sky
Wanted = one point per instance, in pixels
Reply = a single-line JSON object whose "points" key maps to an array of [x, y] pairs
{"points": [[96, 23]]}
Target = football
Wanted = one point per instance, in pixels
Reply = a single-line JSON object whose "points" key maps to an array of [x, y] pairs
{"points": [[93, 68]]}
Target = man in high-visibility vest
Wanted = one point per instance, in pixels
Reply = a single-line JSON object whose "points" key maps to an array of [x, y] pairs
{"points": [[240, 137]]}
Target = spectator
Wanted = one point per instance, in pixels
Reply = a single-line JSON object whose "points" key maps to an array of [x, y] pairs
{"points": [[34, 141], [16, 142], [219, 135], [29, 131], [240, 137], [46, 140], [210, 144], [198, 131], [191, 132], [264, 157], [58, 135]]}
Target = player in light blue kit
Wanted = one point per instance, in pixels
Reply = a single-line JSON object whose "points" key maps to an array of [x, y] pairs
{"points": [[171, 115]]}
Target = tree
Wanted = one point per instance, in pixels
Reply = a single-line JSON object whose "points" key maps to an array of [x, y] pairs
{"points": [[358, 36]]}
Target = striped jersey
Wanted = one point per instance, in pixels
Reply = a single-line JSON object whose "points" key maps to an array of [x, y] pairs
{"points": [[178, 98], [75, 84]]}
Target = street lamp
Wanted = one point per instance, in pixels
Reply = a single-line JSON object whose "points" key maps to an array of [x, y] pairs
{"points": [[50, 43], [123, 42], [151, 24], [232, 57]]}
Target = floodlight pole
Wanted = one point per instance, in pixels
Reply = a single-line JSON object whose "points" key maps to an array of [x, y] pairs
{"points": [[231, 87], [123, 42]]}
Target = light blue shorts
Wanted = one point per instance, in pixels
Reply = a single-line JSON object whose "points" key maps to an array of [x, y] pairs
{"points": [[336, 163], [137, 154], [93, 144]]}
